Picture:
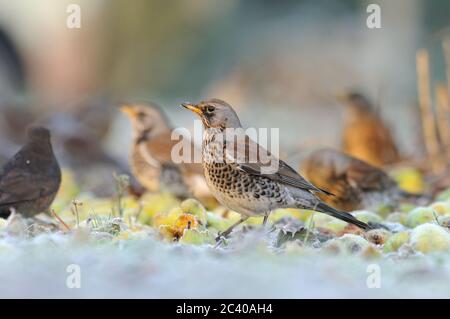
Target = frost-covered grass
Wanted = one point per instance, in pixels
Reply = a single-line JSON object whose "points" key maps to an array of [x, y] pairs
{"points": [[149, 267], [159, 247]]}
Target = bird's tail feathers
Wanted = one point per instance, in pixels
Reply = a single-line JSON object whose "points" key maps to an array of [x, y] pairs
{"points": [[346, 217], [414, 196], [323, 191]]}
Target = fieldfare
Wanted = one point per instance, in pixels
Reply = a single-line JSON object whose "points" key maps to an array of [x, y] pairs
{"points": [[365, 135], [151, 159], [245, 177], [355, 183]]}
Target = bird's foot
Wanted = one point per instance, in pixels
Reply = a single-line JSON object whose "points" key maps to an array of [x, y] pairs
{"points": [[220, 236], [12, 215], [220, 239]]}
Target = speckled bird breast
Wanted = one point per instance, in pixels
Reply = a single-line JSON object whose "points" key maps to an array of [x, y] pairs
{"points": [[244, 193]]}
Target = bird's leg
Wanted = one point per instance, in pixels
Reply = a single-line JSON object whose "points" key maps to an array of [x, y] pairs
{"points": [[266, 217], [230, 229], [11, 216]]}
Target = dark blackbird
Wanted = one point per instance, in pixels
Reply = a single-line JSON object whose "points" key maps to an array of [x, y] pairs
{"points": [[30, 180]]}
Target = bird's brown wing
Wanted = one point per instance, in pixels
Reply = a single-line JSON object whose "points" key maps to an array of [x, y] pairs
{"points": [[390, 152], [327, 169], [194, 168], [339, 168], [369, 139], [17, 186], [158, 151], [367, 177], [159, 154], [255, 159]]}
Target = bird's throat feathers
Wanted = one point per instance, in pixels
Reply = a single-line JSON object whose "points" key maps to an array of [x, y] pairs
{"points": [[142, 135]]}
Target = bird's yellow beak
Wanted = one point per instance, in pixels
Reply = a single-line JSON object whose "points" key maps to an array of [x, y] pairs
{"points": [[128, 110], [194, 108]]}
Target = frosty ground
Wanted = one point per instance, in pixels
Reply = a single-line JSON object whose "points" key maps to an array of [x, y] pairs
{"points": [[149, 268]]}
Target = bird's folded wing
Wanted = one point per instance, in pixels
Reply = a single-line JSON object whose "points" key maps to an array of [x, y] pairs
{"points": [[157, 150], [366, 177], [158, 153], [255, 159], [195, 167], [16, 185]]}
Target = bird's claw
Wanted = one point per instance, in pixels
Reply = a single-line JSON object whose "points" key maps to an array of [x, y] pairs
{"points": [[219, 237], [219, 240]]}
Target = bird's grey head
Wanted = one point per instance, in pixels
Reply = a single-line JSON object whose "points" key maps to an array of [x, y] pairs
{"points": [[38, 134], [355, 100], [215, 113], [145, 117]]}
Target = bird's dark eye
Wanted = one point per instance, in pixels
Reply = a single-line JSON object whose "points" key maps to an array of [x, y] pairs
{"points": [[141, 115], [210, 109]]}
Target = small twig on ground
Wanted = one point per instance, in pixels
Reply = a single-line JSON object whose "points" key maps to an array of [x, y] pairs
{"points": [[426, 108], [443, 112], [309, 229], [59, 219], [139, 211]]}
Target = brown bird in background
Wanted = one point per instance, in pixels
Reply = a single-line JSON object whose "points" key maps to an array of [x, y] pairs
{"points": [[151, 160], [365, 134], [245, 177], [80, 130], [355, 183], [6, 149], [14, 116], [30, 180]]}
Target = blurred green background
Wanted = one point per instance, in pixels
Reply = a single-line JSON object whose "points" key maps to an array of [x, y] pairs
{"points": [[279, 63]]}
